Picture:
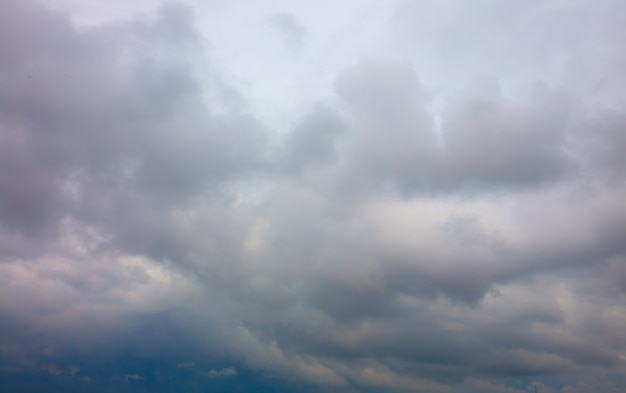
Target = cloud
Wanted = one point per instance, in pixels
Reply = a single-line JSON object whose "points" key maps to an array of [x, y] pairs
{"points": [[113, 112], [313, 142], [53, 370], [225, 372], [390, 142], [291, 27], [401, 234], [489, 140], [132, 377]]}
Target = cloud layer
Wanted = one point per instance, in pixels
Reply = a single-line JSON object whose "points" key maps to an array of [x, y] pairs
{"points": [[459, 228]]}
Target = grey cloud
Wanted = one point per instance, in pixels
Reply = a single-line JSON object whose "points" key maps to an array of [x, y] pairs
{"points": [[377, 307], [381, 252], [97, 121], [598, 144], [393, 136], [487, 142], [313, 142], [225, 372]]}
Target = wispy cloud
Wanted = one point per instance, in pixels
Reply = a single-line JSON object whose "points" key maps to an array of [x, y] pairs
{"points": [[225, 372]]}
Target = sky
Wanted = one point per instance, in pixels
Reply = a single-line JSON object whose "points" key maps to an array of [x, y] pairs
{"points": [[371, 196]]}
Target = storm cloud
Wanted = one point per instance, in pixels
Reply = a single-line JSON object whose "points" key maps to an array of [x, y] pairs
{"points": [[424, 199]]}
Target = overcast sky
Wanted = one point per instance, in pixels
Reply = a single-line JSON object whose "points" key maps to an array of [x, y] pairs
{"points": [[313, 196]]}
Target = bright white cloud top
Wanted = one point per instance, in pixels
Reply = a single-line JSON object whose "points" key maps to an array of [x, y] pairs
{"points": [[393, 196]]}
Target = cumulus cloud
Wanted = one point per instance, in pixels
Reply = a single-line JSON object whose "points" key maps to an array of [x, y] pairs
{"points": [[401, 234]]}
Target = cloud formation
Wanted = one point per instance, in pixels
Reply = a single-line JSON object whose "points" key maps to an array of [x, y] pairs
{"points": [[401, 234], [225, 372]]}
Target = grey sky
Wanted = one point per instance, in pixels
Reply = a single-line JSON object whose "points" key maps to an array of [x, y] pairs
{"points": [[398, 196]]}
